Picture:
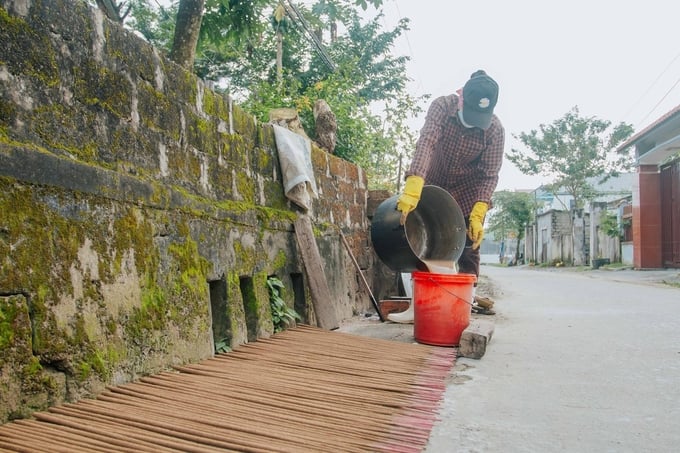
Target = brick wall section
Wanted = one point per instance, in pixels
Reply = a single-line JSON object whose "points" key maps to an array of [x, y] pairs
{"points": [[647, 225], [141, 212]]}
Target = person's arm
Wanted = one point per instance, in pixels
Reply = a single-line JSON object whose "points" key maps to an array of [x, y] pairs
{"points": [[429, 135], [490, 164], [415, 175], [487, 179]]}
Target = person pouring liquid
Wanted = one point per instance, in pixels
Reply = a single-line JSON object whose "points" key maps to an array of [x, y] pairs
{"points": [[460, 149]]}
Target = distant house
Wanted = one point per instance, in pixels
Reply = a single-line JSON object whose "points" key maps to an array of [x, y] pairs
{"points": [[655, 212], [612, 189], [562, 234]]}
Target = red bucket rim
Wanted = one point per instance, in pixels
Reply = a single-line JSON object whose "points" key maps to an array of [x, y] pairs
{"points": [[462, 278]]}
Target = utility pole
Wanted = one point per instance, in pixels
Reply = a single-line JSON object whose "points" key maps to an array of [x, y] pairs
{"points": [[535, 241]]}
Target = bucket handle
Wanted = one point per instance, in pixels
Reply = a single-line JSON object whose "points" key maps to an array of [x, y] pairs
{"points": [[454, 295]]}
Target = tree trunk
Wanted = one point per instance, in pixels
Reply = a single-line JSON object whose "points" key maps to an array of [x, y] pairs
{"points": [[334, 31], [279, 56], [187, 28], [110, 9]]}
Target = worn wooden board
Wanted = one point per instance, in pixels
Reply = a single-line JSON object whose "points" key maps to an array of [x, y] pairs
{"points": [[316, 277], [475, 338]]}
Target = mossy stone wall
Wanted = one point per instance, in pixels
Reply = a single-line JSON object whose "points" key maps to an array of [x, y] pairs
{"points": [[134, 201]]}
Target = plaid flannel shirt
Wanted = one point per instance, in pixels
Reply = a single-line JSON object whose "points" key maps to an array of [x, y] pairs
{"points": [[463, 161]]}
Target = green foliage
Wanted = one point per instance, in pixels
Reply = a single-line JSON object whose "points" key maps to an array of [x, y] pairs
{"points": [[282, 315], [222, 346], [512, 212], [231, 40], [366, 76], [237, 50], [609, 225], [572, 150], [156, 23]]}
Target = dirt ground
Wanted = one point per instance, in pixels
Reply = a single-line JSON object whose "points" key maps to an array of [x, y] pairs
{"points": [[486, 287]]}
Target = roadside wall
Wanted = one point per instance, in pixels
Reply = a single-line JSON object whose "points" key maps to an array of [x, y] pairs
{"points": [[554, 237], [581, 238], [141, 213], [601, 244]]}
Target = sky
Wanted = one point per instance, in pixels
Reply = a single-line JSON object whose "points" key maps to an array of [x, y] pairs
{"points": [[614, 60]]}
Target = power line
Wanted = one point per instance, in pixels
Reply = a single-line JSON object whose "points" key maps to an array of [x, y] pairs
{"points": [[290, 7], [636, 103], [408, 44], [660, 101]]}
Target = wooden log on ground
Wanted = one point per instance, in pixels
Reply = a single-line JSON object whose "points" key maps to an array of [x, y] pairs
{"points": [[475, 338]]}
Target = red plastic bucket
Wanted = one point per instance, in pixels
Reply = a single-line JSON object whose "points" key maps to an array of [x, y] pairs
{"points": [[442, 306]]}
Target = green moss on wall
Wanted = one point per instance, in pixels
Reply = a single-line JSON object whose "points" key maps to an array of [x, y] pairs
{"points": [[203, 134], [7, 115], [190, 286], [273, 192], [63, 129], [244, 124], [7, 328], [15, 329], [222, 106], [280, 261], [133, 232], [58, 229], [34, 379], [263, 161], [235, 308], [264, 314], [209, 105], [149, 316], [93, 363], [126, 150], [16, 348], [246, 187], [245, 257], [179, 298], [154, 108], [99, 86], [53, 246], [184, 165], [26, 52]]}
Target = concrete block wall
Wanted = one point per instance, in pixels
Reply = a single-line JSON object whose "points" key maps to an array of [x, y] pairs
{"points": [[602, 245], [141, 213], [555, 237]]}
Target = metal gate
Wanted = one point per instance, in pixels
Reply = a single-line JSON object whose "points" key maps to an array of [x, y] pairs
{"points": [[670, 215]]}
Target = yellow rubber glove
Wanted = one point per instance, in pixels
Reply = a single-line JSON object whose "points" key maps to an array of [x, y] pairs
{"points": [[409, 198], [476, 229]]}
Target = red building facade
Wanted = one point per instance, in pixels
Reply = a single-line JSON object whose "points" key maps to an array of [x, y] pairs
{"points": [[656, 193]]}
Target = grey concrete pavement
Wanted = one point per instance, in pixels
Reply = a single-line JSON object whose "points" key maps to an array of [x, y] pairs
{"points": [[579, 361]]}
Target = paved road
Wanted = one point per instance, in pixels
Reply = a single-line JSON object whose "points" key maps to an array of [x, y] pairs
{"points": [[579, 362]]}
